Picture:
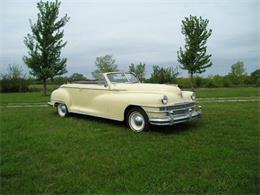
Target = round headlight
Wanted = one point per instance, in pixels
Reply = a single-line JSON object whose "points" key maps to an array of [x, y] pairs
{"points": [[164, 99], [193, 96]]}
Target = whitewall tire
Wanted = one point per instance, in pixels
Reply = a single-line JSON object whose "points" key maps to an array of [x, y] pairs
{"points": [[137, 120], [62, 110]]}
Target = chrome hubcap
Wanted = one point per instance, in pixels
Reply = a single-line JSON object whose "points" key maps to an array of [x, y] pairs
{"points": [[136, 121], [62, 110]]}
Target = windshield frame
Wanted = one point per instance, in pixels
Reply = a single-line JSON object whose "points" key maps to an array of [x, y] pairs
{"points": [[123, 73]]}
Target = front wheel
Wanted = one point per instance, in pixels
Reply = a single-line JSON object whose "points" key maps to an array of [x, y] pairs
{"points": [[137, 120], [62, 110]]}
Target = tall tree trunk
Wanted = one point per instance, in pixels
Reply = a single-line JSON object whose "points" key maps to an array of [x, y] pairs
{"points": [[44, 86], [192, 81]]}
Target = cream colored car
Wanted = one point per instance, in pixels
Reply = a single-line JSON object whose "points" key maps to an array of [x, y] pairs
{"points": [[121, 97]]}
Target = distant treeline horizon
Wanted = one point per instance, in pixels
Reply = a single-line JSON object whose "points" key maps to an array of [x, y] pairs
{"points": [[16, 81]]}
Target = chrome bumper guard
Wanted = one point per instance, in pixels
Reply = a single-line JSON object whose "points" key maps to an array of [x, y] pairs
{"points": [[172, 118], [51, 104]]}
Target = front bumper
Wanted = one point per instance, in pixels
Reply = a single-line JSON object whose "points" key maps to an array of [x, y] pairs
{"points": [[51, 104], [175, 119]]}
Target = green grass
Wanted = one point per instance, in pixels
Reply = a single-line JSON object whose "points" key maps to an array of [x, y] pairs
{"points": [[30, 97], [42, 153], [228, 92]]}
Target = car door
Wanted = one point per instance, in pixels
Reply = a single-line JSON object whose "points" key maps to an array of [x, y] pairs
{"points": [[92, 99]]}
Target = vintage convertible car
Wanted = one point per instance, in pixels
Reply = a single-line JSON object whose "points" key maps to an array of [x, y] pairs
{"points": [[120, 96]]}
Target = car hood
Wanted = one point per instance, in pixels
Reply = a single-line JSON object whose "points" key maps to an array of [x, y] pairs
{"points": [[149, 88], [173, 92]]}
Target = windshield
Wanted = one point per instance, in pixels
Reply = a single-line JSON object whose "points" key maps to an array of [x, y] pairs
{"points": [[122, 78]]}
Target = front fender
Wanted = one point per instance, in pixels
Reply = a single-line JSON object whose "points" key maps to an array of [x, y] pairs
{"points": [[187, 95], [118, 102], [61, 95]]}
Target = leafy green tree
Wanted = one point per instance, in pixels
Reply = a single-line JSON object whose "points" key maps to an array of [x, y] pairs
{"points": [[163, 75], [255, 76], [45, 43], [104, 64], [194, 57], [238, 73], [77, 77], [59, 80], [139, 70]]}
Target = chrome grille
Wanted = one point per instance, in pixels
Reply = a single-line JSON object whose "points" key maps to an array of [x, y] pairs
{"points": [[179, 109], [178, 112]]}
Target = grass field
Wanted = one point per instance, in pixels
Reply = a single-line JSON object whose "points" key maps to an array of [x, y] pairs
{"points": [[228, 92], [42, 153]]}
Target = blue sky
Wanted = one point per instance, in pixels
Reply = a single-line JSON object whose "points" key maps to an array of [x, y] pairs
{"points": [[147, 31]]}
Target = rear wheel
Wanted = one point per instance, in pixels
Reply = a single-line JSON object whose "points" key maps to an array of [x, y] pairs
{"points": [[137, 120], [62, 110]]}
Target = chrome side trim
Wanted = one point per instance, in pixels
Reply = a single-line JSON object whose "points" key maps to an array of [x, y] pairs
{"points": [[95, 115], [82, 88]]}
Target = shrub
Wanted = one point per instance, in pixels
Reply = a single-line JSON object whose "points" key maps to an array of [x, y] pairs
{"points": [[211, 82], [255, 77], [226, 81], [14, 80], [183, 82], [14, 85]]}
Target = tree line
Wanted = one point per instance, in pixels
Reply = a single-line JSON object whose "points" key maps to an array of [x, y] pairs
{"points": [[15, 81]]}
